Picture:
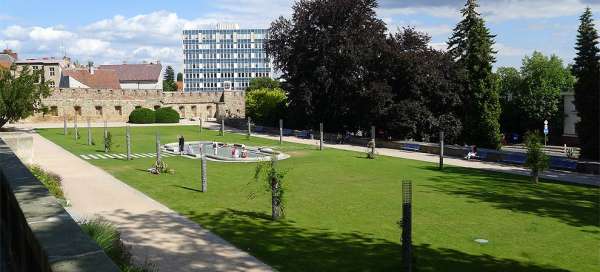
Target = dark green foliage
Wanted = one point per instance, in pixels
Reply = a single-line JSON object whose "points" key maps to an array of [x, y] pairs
{"points": [[263, 82], [109, 239], [21, 95], [169, 84], [329, 54], [587, 87], [426, 89], [51, 180], [108, 142], [471, 46], [509, 85], [142, 116], [266, 106], [167, 115], [179, 76], [537, 160]]}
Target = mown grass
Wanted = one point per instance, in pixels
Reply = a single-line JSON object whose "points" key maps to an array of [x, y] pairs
{"points": [[342, 209]]}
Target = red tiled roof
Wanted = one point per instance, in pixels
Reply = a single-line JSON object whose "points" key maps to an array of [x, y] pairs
{"points": [[5, 64], [101, 79], [136, 72]]}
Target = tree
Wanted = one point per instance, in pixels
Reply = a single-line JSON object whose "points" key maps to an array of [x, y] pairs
{"points": [[169, 84], [509, 84], [179, 76], [543, 79], [587, 87], [537, 160], [471, 46], [21, 93], [263, 82], [266, 106], [329, 54], [274, 181], [426, 89]]}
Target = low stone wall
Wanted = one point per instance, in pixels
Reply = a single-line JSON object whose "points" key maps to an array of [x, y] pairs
{"points": [[37, 233], [21, 144]]}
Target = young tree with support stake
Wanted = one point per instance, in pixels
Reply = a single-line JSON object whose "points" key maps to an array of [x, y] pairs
{"points": [[274, 181]]}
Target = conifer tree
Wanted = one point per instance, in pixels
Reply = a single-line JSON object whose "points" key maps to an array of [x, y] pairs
{"points": [[587, 87], [471, 46]]}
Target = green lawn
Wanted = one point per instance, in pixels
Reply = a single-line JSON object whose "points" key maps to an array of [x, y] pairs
{"points": [[342, 209]]}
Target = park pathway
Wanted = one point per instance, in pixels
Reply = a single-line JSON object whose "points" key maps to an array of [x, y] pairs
{"points": [[155, 233], [560, 176]]}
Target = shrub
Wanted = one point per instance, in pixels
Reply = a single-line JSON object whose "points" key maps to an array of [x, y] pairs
{"points": [[537, 160], [108, 142], [109, 239], [167, 115], [50, 180], [142, 116]]}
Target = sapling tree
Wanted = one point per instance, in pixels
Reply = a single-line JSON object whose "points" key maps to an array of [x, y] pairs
{"points": [[107, 142], [268, 172], [537, 160]]}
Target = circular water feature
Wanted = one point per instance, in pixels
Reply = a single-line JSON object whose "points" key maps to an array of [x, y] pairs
{"points": [[225, 152]]}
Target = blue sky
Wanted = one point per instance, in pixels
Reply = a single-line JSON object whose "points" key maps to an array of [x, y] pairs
{"points": [[134, 30]]}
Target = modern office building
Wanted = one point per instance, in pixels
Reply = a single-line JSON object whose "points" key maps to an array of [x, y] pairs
{"points": [[224, 57]]}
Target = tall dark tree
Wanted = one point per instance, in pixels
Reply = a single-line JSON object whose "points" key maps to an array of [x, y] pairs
{"points": [[471, 46], [329, 54], [587, 87], [179, 76], [169, 84], [509, 83], [426, 89]]}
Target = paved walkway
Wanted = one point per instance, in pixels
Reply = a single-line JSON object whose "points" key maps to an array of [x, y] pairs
{"points": [[155, 232], [561, 176]]}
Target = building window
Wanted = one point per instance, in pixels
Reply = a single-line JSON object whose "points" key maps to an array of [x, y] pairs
{"points": [[52, 71], [119, 110], [51, 84], [99, 110], [54, 110], [138, 107], [77, 110]]}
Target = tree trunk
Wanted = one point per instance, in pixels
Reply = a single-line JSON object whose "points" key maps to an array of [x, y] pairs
{"points": [[275, 199], [535, 176]]}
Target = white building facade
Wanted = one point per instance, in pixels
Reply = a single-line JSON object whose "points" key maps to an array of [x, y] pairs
{"points": [[224, 58]]}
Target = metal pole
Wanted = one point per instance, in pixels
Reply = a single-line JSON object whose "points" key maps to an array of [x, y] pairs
{"points": [[105, 137], [321, 136], [157, 147], [89, 131], [280, 131], [407, 225], [128, 140], [64, 122], [441, 150], [373, 139], [203, 169]]}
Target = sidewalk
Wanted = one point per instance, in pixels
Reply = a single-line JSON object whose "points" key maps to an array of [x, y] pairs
{"points": [[155, 232], [561, 176]]}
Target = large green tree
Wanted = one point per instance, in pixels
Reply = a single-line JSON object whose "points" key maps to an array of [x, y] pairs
{"points": [[169, 84], [587, 87], [329, 54], [179, 76], [21, 93], [471, 45], [266, 106], [263, 82], [543, 79], [509, 84]]}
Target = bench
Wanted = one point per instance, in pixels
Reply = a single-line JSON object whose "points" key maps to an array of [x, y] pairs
{"points": [[481, 155], [514, 158], [411, 147], [562, 163]]}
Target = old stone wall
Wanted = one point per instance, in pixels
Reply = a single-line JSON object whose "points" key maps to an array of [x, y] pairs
{"points": [[116, 105]]}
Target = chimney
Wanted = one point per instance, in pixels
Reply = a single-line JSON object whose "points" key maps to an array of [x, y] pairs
{"points": [[91, 69]]}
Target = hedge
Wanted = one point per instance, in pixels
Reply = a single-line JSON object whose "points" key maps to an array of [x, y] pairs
{"points": [[167, 115], [142, 116]]}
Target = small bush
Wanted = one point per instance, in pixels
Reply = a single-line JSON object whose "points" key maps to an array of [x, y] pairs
{"points": [[167, 115], [51, 180], [142, 116], [537, 160], [108, 142]]}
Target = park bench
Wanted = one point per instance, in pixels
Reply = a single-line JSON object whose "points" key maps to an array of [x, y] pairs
{"points": [[302, 134], [514, 158], [411, 147]]}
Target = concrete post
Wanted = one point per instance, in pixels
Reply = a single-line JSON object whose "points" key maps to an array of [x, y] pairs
{"points": [[157, 147], [89, 132], [249, 127], [105, 137], [203, 169], [441, 150], [128, 140], [280, 131], [321, 137], [373, 139], [64, 123], [223, 127], [201, 123]]}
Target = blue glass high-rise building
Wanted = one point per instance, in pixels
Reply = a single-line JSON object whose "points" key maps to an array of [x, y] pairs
{"points": [[224, 57]]}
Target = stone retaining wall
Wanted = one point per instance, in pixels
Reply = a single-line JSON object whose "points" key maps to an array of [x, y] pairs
{"points": [[37, 233]]}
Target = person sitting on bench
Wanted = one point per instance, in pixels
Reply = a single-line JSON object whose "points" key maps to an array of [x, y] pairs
{"points": [[472, 154]]}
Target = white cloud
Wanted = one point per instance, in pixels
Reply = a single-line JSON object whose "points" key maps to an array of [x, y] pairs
{"points": [[15, 32], [12, 44], [508, 51], [49, 34], [439, 46]]}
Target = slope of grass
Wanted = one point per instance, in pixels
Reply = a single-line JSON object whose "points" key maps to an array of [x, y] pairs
{"points": [[342, 210]]}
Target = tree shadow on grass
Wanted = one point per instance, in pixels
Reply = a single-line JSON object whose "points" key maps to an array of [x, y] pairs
{"points": [[287, 247], [575, 205]]}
